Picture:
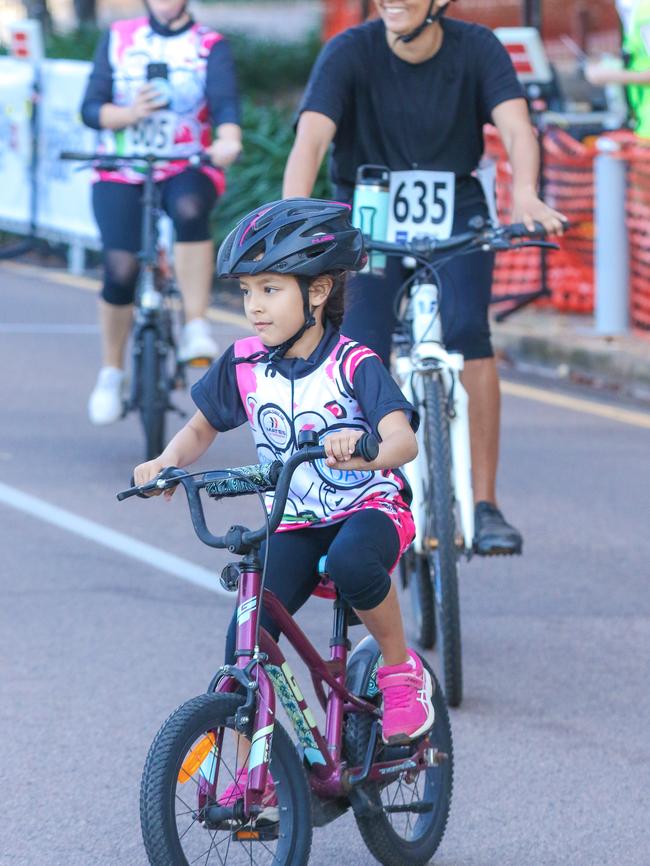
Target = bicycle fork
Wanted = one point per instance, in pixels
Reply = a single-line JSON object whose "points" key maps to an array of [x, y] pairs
{"points": [[429, 359]]}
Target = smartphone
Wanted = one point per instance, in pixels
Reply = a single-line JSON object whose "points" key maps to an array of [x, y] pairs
{"points": [[158, 75]]}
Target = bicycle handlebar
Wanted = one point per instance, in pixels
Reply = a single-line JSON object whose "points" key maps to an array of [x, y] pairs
{"points": [[484, 238], [110, 161], [229, 482]]}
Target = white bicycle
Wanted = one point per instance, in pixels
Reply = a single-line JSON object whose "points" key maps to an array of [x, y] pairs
{"points": [[441, 476]]}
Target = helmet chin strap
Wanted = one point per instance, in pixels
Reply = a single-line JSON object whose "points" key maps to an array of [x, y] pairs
{"points": [[431, 17]]}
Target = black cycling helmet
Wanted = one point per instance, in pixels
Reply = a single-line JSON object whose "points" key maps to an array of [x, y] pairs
{"points": [[306, 237]]}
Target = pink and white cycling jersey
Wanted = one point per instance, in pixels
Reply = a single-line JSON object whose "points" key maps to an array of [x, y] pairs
{"points": [[181, 129], [280, 408]]}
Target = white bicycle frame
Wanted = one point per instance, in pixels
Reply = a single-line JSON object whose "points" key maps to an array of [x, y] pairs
{"points": [[426, 356]]}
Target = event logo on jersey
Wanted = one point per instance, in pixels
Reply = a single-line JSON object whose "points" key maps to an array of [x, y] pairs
{"points": [[275, 426]]}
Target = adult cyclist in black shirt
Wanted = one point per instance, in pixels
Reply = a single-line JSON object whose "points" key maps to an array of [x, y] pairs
{"points": [[412, 91]]}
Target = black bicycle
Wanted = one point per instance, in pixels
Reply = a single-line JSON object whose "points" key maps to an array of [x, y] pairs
{"points": [[156, 370]]}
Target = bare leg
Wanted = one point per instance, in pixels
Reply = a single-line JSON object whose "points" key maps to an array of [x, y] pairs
{"points": [[384, 623], [194, 263], [115, 322], [481, 380]]}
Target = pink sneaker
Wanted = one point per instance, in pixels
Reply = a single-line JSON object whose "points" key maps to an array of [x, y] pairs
{"points": [[407, 691], [235, 791]]}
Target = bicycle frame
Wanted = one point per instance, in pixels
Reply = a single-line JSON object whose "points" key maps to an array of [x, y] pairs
{"points": [[427, 356], [265, 672]]}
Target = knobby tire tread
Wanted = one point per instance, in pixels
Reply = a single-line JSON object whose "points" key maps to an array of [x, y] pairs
{"points": [[376, 831], [153, 393], [208, 711], [442, 525]]}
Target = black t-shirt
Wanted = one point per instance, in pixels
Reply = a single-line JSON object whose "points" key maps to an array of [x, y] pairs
{"points": [[217, 396], [402, 115]]}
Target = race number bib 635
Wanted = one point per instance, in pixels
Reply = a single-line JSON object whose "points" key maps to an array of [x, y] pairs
{"points": [[153, 134], [421, 203]]}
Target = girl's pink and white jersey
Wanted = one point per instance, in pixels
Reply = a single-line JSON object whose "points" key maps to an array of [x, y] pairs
{"points": [[280, 408], [183, 127]]}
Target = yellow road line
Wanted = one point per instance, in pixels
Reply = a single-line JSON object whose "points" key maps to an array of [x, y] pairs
{"points": [[513, 389], [90, 284], [576, 404]]}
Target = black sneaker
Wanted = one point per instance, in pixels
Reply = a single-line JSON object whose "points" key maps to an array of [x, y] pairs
{"points": [[492, 535]]}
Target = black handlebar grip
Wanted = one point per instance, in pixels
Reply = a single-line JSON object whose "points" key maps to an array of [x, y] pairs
{"points": [[75, 154], [367, 447], [126, 494], [519, 230]]}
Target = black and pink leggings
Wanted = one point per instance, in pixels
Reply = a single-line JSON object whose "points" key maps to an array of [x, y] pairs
{"points": [[361, 552]]}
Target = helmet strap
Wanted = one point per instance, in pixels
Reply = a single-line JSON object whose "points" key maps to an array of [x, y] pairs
{"points": [[430, 18]]}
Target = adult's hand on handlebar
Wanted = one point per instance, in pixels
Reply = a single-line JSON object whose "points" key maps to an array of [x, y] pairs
{"points": [[529, 209], [146, 472], [224, 151]]}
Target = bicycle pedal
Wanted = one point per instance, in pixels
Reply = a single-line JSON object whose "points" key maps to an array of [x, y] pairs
{"points": [[199, 362], [430, 542]]}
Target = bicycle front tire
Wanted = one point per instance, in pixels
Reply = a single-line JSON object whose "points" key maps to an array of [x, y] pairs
{"points": [[152, 393], [441, 537], [174, 794]]}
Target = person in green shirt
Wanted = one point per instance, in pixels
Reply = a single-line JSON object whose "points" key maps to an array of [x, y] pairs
{"points": [[635, 76]]}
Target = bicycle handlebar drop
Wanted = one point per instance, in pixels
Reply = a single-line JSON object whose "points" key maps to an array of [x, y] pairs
{"points": [[241, 481]]}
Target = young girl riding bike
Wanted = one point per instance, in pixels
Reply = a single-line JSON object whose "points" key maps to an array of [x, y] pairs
{"points": [[299, 373]]}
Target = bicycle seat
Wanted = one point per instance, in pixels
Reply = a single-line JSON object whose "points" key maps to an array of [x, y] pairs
{"points": [[326, 588]]}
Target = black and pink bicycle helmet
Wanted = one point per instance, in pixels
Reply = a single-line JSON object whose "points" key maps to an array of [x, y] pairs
{"points": [[301, 236]]}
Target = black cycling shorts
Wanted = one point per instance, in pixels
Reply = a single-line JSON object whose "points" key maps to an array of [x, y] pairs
{"points": [[466, 288], [361, 550], [188, 199]]}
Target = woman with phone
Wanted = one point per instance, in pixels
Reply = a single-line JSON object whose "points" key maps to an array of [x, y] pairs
{"points": [[163, 84]]}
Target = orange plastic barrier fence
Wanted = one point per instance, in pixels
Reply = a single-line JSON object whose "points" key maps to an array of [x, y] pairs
{"points": [[569, 187], [338, 15]]}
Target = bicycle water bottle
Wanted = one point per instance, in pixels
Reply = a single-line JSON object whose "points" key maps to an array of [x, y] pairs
{"points": [[370, 209]]}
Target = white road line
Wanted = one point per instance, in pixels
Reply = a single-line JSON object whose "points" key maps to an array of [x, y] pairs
{"points": [[112, 539], [39, 328]]}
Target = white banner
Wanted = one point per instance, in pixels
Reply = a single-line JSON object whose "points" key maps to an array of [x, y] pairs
{"points": [[64, 204], [16, 82]]}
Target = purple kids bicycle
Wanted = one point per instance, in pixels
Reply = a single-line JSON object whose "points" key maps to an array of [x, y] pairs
{"points": [[224, 783]]}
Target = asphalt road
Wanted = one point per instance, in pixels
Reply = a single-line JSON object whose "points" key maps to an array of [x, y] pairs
{"points": [[98, 642]]}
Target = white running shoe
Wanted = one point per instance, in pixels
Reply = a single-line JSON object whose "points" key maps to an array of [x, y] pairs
{"points": [[105, 405], [197, 341]]}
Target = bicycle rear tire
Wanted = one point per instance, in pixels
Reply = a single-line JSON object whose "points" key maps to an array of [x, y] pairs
{"points": [[153, 392], [395, 840], [440, 528]]}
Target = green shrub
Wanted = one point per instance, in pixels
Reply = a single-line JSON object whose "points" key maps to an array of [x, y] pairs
{"points": [[268, 67], [257, 176], [77, 45]]}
